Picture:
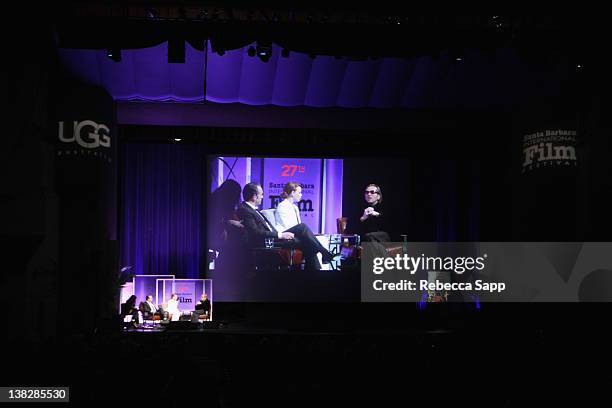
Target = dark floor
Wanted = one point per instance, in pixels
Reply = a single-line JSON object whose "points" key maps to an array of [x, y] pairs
{"points": [[241, 364]]}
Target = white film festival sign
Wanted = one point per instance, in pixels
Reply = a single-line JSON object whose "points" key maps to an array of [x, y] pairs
{"points": [[549, 148]]}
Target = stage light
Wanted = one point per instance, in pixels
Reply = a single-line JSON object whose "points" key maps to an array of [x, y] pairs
{"points": [[176, 51], [114, 54], [496, 22], [264, 50], [456, 55], [394, 20], [152, 13], [125, 275], [177, 139]]}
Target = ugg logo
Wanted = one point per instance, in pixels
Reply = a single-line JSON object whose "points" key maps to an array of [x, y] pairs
{"points": [[87, 134]]}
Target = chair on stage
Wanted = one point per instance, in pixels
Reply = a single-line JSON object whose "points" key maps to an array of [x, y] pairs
{"points": [[197, 317], [155, 318]]}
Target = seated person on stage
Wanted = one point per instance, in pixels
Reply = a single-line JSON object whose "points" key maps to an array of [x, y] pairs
{"points": [[148, 309], [173, 311], [129, 308], [372, 224], [298, 235], [203, 307]]}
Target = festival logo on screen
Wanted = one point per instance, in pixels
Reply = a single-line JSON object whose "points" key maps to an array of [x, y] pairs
{"points": [[289, 170], [305, 206], [186, 294], [549, 148], [306, 172]]}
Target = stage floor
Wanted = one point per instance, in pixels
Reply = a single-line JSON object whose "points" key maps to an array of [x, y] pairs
{"points": [[238, 328]]}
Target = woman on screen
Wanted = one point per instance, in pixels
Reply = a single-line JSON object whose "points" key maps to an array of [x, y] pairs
{"points": [[287, 213]]}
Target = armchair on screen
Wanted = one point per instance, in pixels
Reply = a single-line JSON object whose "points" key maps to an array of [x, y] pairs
{"points": [[351, 248], [352, 243], [240, 253], [341, 224], [275, 257]]}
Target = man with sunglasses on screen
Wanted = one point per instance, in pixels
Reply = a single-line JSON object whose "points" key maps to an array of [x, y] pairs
{"points": [[372, 222]]}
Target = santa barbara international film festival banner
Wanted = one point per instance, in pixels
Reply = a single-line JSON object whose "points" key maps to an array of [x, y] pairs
{"points": [[549, 148], [487, 272], [306, 172]]}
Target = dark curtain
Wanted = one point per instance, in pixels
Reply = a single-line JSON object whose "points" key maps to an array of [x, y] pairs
{"points": [[425, 199], [161, 209]]}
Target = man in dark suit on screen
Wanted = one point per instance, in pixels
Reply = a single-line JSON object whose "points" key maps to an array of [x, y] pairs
{"points": [[259, 228]]}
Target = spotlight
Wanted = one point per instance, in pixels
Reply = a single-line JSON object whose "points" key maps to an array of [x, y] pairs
{"points": [[251, 51], [457, 55], [285, 53], [152, 13], [176, 51], [114, 54], [177, 139], [264, 50], [496, 22]]}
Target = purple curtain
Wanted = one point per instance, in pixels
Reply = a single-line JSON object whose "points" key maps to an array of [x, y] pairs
{"points": [[161, 209]]}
